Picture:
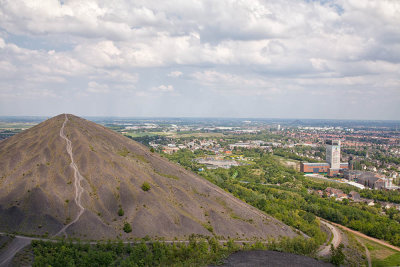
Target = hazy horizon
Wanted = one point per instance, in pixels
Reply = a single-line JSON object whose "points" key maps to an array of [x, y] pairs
{"points": [[195, 118], [328, 59]]}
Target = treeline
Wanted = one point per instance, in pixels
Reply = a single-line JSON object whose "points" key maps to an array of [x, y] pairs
{"points": [[361, 153], [199, 251], [290, 155], [382, 195]]}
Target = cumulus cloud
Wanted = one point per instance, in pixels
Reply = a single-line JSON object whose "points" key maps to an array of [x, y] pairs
{"points": [[94, 87], [174, 74], [261, 47], [163, 88]]}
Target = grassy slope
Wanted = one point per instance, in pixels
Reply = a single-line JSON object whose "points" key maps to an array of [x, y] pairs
{"points": [[380, 254]]}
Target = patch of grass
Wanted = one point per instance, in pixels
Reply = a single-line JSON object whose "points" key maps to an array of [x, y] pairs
{"points": [[91, 148], [208, 227], [142, 158], [392, 260], [124, 152], [379, 253], [167, 175]]}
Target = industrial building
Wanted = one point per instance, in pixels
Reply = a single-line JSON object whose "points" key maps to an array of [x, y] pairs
{"points": [[332, 166]]}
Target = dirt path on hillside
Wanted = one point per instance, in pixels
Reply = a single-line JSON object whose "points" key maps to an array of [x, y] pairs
{"points": [[78, 178], [366, 252], [336, 240], [367, 237]]}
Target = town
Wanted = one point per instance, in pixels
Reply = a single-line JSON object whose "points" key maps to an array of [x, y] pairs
{"points": [[365, 155]]}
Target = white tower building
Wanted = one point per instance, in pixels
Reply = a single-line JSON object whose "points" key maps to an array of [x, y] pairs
{"points": [[333, 153]]}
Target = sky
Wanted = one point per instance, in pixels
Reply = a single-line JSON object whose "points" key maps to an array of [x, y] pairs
{"points": [[336, 59]]}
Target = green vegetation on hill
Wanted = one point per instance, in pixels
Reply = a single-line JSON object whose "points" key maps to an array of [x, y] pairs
{"points": [[127, 228], [284, 193], [198, 251], [380, 254], [146, 186], [290, 155]]}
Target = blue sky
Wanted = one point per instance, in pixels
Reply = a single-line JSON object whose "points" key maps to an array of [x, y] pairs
{"points": [[193, 58]]}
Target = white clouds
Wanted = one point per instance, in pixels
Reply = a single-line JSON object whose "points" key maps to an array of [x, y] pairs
{"points": [[94, 87], [163, 88], [174, 74], [260, 47]]}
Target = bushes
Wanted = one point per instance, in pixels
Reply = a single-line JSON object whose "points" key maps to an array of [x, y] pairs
{"points": [[337, 255], [121, 212], [127, 228], [146, 186], [198, 252]]}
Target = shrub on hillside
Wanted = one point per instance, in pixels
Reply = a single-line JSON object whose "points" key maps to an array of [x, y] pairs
{"points": [[121, 212], [127, 228], [146, 186]]}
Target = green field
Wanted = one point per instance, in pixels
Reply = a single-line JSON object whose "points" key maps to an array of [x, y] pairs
{"points": [[380, 254]]}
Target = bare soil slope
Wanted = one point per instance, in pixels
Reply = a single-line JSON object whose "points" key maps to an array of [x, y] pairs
{"points": [[37, 193]]}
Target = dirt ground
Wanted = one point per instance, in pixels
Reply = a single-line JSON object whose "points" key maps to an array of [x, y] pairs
{"points": [[270, 258]]}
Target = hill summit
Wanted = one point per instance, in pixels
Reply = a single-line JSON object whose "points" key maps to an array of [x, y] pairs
{"points": [[70, 176]]}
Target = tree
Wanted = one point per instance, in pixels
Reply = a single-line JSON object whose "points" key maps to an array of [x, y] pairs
{"points": [[127, 228], [152, 149], [337, 255]]}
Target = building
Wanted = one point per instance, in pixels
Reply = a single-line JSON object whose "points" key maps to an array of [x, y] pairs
{"points": [[307, 167], [333, 192], [333, 153], [368, 179], [332, 167]]}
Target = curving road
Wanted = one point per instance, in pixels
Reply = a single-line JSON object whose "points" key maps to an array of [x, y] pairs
{"points": [[16, 245], [78, 178], [336, 240]]}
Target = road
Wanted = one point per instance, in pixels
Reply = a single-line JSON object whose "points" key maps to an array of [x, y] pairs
{"points": [[78, 178], [16, 245], [336, 240]]}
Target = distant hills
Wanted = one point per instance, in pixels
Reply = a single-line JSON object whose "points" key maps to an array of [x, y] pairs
{"points": [[38, 189]]}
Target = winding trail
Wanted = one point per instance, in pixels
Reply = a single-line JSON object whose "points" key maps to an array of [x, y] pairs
{"points": [[336, 240], [367, 253], [78, 178]]}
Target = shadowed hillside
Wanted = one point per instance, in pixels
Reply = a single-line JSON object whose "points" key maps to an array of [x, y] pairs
{"points": [[37, 189]]}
